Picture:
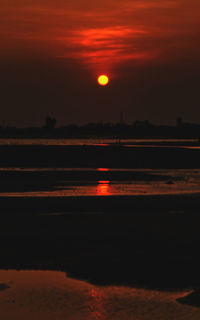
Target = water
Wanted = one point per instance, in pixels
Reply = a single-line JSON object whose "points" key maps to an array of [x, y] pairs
{"points": [[52, 295], [102, 142], [69, 182], [80, 240]]}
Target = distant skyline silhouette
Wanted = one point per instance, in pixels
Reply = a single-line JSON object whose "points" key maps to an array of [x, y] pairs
{"points": [[119, 130]]}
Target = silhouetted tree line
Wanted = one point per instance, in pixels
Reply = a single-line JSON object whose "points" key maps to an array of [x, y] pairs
{"points": [[139, 129]]}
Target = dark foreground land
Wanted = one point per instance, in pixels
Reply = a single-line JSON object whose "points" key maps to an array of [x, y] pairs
{"points": [[111, 156], [151, 241]]}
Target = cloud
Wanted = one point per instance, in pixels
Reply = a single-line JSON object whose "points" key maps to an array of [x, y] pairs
{"points": [[100, 33], [101, 48]]}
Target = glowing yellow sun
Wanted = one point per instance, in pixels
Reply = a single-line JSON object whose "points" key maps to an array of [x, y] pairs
{"points": [[103, 80]]}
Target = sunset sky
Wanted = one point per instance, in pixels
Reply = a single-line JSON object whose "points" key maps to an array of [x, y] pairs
{"points": [[51, 53]]}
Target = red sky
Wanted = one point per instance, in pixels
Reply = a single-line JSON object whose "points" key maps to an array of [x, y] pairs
{"points": [[52, 51]]}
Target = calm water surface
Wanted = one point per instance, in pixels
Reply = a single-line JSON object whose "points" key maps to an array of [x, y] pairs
{"points": [[103, 141], [52, 182], [52, 295]]}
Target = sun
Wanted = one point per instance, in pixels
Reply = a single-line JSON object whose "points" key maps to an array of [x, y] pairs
{"points": [[103, 80]]}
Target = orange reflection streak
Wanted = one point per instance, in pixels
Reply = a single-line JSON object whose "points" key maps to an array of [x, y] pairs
{"points": [[103, 188], [95, 305], [103, 169]]}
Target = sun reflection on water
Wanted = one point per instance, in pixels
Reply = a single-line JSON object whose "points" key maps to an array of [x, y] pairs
{"points": [[103, 188], [95, 305]]}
